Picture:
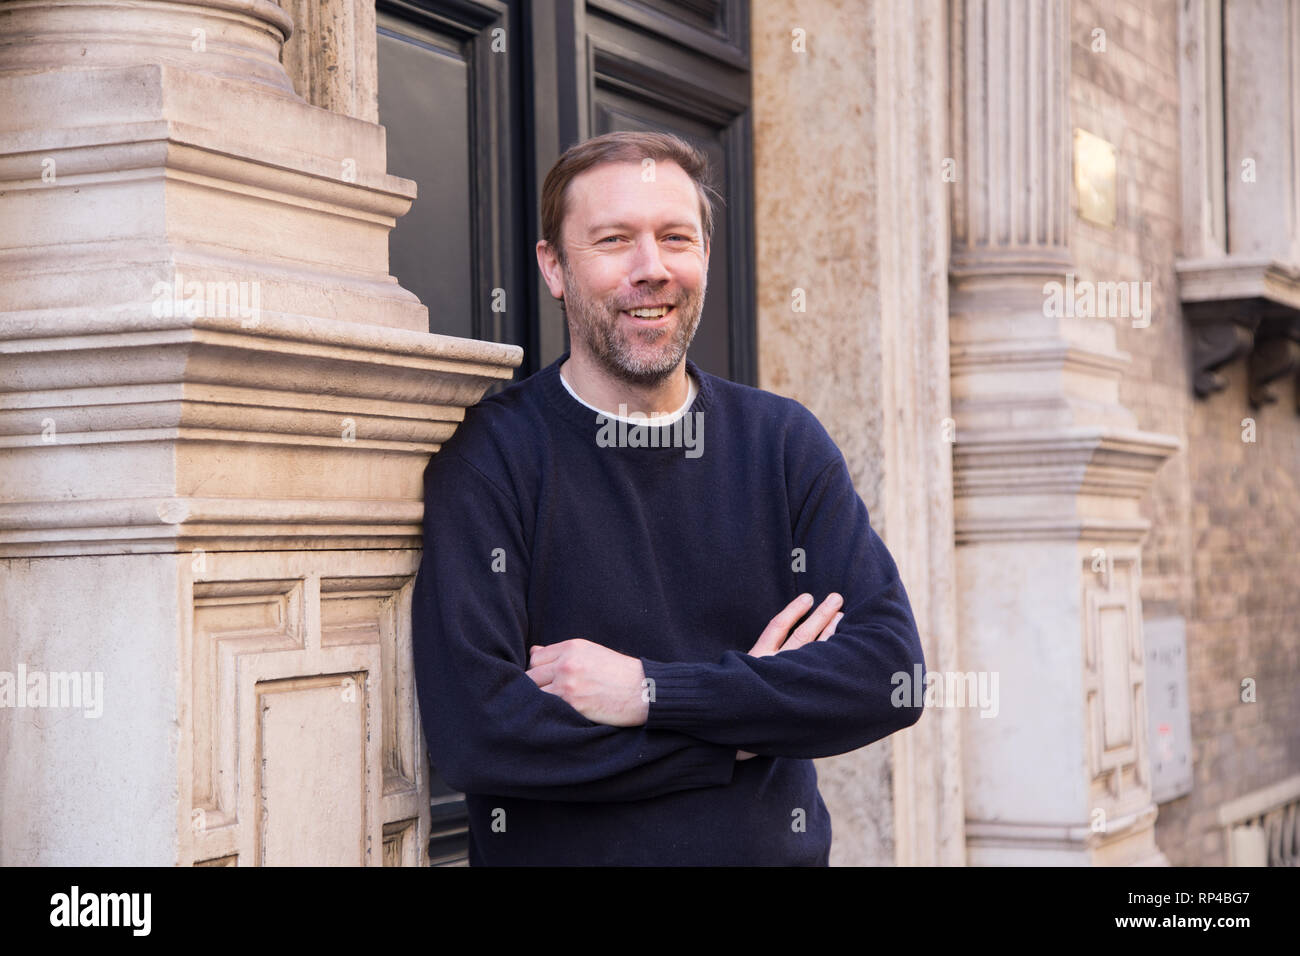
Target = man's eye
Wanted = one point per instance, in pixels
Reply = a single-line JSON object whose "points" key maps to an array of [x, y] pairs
{"points": [[681, 238], [609, 238]]}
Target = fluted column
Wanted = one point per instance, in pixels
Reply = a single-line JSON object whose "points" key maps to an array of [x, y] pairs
{"points": [[909, 52], [332, 58], [1049, 469], [216, 405]]}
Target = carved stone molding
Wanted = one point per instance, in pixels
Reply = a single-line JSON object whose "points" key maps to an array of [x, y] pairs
{"points": [[216, 406], [299, 720], [205, 434], [1114, 680], [1022, 485], [239, 39], [1242, 309], [196, 178]]}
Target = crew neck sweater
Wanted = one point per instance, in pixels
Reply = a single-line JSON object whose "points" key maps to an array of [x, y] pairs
{"points": [[675, 545], [657, 420]]}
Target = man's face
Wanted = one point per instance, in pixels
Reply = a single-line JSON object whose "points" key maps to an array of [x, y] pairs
{"points": [[631, 245]]}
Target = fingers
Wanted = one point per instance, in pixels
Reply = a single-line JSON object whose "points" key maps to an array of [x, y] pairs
{"points": [[769, 642], [817, 622], [542, 674], [820, 625], [544, 661], [546, 654], [830, 629]]}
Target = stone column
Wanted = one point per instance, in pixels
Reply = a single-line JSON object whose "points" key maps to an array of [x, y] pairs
{"points": [[1048, 470], [215, 410], [849, 139], [910, 139]]}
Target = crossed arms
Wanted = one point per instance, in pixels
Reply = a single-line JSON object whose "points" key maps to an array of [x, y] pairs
{"points": [[610, 688], [573, 721]]}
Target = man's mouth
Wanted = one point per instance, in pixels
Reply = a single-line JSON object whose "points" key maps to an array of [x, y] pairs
{"points": [[649, 315]]}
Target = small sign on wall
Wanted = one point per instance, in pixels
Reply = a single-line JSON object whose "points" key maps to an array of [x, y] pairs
{"points": [[1094, 177], [1167, 707]]}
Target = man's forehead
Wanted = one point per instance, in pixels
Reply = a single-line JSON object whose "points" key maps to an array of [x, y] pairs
{"points": [[614, 191]]}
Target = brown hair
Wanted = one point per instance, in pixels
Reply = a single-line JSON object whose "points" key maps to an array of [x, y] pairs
{"points": [[622, 147]]}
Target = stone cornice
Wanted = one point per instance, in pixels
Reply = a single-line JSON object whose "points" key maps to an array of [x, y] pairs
{"points": [[1019, 528], [1017, 356], [1233, 277], [1086, 460], [1038, 485], [207, 434], [203, 131], [163, 150], [151, 525], [32, 333], [203, 167], [986, 262]]}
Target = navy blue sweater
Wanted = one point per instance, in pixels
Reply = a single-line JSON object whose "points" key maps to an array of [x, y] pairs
{"points": [[537, 531]]}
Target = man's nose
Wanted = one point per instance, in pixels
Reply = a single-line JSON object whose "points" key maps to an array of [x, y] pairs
{"points": [[647, 265]]}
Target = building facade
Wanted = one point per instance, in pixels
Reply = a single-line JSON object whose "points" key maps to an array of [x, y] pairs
{"points": [[1035, 264]]}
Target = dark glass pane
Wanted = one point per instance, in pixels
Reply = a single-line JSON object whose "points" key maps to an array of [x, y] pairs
{"points": [[424, 88]]}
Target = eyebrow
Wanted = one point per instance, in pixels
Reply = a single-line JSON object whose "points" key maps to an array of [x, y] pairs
{"points": [[679, 226]]}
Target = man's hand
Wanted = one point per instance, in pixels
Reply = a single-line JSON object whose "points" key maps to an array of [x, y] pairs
{"points": [[606, 687], [776, 637], [602, 685]]}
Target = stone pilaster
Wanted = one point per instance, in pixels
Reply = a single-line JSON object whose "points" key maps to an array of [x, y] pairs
{"points": [[910, 51], [215, 409], [332, 57], [849, 139], [1049, 469]]}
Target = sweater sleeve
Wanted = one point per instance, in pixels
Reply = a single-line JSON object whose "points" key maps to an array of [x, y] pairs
{"points": [[489, 728], [827, 697]]}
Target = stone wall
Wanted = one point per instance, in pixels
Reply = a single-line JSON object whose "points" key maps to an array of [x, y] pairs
{"points": [[848, 139], [812, 155], [1225, 513]]}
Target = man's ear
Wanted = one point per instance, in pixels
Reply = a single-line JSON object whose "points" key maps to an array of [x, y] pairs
{"points": [[550, 266]]}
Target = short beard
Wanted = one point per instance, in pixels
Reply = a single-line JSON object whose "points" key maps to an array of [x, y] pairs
{"points": [[597, 324]]}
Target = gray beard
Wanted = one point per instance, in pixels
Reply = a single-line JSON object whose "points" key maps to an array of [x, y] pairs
{"points": [[596, 325]]}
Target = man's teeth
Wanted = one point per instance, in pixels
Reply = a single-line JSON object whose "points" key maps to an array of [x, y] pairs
{"points": [[655, 313]]}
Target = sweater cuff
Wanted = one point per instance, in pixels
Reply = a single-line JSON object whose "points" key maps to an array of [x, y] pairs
{"points": [[677, 699]]}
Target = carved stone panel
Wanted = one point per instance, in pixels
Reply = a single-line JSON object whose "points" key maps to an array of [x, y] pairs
{"points": [[301, 742], [1115, 684]]}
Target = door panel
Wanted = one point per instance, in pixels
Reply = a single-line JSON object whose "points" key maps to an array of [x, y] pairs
{"points": [[480, 97], [424, 91], [448, 73]]}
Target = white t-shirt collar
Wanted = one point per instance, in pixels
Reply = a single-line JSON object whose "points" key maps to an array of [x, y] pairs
{"points": [[659, 422]]}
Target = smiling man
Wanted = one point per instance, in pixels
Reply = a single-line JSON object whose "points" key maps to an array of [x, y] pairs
{"points": [[617, 653]]}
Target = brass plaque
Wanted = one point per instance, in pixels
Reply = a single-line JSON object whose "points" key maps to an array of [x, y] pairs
{"points": [[1094, 177]]}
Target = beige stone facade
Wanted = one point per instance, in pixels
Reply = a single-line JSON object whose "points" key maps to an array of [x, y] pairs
{"points": [[217, 506]]}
